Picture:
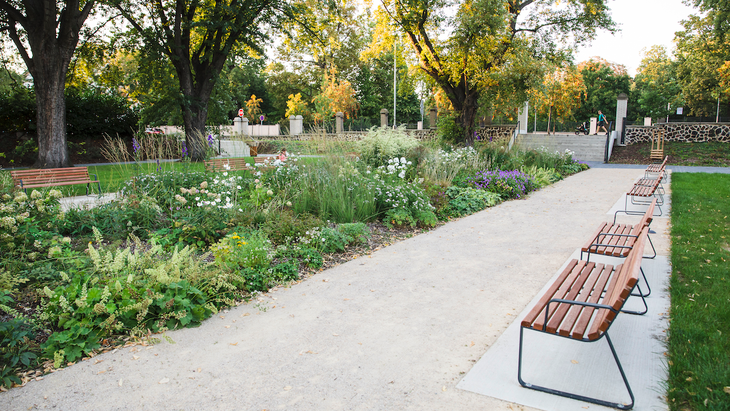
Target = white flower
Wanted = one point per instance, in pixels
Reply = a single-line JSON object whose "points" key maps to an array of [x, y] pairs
{"points": [[271, 193]]}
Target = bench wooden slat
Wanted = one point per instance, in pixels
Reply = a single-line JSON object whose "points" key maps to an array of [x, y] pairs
{"points": [[626, 279], [51, 177], [560, 310], [536, 317], [591, 293]]}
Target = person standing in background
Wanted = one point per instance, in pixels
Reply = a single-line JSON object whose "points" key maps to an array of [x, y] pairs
{"points": [[601, 122]]}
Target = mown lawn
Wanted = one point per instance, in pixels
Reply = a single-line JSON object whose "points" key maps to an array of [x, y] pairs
{"points": [[699, 334]]}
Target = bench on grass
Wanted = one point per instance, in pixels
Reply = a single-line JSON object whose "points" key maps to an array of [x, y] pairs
{"points": [[54, 177], [581, 305], [236, 164], [226, 164]]}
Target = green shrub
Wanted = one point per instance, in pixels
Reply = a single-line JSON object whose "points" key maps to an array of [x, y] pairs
{"points": [[250, 250], [449, 130], [284, 227], [543, 176], [15, 352], [382, 144], [466, 200]]}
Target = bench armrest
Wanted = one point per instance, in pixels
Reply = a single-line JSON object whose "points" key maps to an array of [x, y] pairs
{"points": [[572, 302]]}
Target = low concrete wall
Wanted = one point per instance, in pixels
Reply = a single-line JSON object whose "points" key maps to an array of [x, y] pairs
{"points": [[689, 132]]}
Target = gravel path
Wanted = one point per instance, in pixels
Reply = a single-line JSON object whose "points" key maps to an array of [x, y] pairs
{"points": [[396, 329]]}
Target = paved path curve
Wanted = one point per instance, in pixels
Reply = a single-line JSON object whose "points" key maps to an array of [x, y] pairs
{"points": [[394, 330]]}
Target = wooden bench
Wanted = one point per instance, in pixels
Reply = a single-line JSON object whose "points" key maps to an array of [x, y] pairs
{"points": [[656, 168], [227, 164], [53, 177], [644, 192], [581, 305], [235, 164], [617, 240]]}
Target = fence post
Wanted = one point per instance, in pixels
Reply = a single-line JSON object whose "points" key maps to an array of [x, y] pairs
{"points": [[432, 118], [383, 117], [622, 103], [338, 122]]}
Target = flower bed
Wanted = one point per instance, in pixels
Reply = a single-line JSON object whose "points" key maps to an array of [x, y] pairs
{"points": [[177, 246]]}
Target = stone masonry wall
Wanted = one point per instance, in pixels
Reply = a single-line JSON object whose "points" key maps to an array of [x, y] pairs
{"points": [[689, 132]]}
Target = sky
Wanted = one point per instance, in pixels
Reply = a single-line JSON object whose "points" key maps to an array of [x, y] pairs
{"points": [[643, 23]]}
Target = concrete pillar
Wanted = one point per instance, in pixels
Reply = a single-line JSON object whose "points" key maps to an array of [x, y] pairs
{"points": [[432, 118], [383, 117], [338, 121], [238, 125], [523, 117], [622, 104], [244, 126], [296, 125], [647, 121], [594, 125], [419, 125]]}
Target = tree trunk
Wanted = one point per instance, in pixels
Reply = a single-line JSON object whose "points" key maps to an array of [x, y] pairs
{"points": [[194, 119], [49, 82]]}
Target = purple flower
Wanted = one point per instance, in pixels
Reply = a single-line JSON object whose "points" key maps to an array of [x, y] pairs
{"points": [[159, 167], [135, 145], [210, 140], [184, 150]]}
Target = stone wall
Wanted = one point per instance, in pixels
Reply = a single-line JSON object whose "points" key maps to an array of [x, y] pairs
{"points": [[689, 132], [345, 136], [496, 133]]}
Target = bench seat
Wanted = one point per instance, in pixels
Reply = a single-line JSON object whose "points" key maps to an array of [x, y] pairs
{"points": [[54, 177], [582, 304]]}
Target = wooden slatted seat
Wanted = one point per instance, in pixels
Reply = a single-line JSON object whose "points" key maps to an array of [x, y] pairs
{"points": [[656, 168], [582, 304], [236, 164], [54, 177], [644, 192], [226, 164], [617, 240]]}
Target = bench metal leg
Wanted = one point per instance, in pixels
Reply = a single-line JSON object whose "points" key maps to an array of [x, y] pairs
{"points": [[577, 396], [640, 294]]}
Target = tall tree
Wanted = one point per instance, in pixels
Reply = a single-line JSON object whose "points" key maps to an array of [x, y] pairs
{"points": [[489, 40], [604, 81], [719, 13], [46, 33], [197, 37], [560, 94], [700, 54], [656, 84]]}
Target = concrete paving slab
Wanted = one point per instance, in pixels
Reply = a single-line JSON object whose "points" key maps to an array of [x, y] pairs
{"points": [[86, 202], [584, 368]]}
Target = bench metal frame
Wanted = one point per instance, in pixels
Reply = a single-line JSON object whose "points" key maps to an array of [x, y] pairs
{"points": [[584, 339]]}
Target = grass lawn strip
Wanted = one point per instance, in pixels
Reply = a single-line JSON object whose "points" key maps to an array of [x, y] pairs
{"points": [[699, 334]]}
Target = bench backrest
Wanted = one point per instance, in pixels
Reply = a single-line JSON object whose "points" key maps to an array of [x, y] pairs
{"points": [[49, 175], [221, 164], [646, 219], [620, 286]]}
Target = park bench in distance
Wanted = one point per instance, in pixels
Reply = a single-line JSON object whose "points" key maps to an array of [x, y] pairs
{"points": [[617, 240], [236, 164], [656, 168], [53, 177], [581, 305], [644, 192]]}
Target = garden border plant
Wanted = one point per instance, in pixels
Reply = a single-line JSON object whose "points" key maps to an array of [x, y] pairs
{"points": [[181, 243]]}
